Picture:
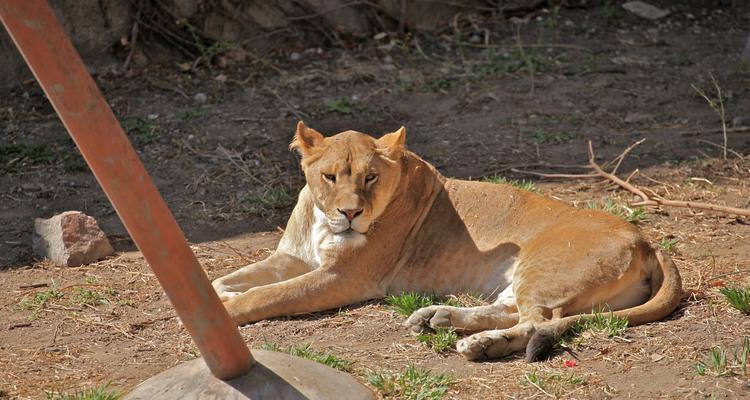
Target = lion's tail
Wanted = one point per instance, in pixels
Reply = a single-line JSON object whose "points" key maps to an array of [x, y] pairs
{"points": [[666, 293]]}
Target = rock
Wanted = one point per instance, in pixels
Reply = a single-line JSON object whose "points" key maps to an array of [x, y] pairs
{"points": [[70, 239], [645, 10], [636, 117], [743, 120], [200, 97]]}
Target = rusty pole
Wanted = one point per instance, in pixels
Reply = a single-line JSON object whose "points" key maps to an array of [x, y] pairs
{"points": [[59, 70]]}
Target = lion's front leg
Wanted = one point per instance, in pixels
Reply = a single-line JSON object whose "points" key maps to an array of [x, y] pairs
{"points": [[318, 290], [277, 267]]}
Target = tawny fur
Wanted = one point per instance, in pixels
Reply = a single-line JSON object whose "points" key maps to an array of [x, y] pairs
{"points": [[544, 263]]}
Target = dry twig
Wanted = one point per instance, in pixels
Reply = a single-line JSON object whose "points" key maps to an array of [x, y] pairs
{"points": [[654, 200]]}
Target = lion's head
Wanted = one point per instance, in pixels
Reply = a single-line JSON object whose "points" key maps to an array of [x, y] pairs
{"points": [[352, 176]]}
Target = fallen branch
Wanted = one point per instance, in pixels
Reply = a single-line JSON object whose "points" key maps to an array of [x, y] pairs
{"points": [[647, 200]]}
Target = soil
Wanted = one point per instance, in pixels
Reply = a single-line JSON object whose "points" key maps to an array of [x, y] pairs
{"points": [[470, 108]]}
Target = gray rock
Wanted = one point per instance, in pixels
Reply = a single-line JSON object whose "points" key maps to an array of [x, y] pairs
{"points": [[743, 120], [645, 10], [200, 97], [636, 117], [70, 239]]}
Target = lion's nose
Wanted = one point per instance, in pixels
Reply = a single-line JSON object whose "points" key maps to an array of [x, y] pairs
{"points": [[350, 213]]}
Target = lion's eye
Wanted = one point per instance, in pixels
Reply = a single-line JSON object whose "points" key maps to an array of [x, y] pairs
{"points": [[371, 177], [329, 177]]}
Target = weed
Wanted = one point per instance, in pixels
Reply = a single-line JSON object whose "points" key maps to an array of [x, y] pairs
{"points": [[439, 84], [738, 298], [271, 199], [634, 216], [73, 163], [412, 384], [84, 296], [668, 244], [520, 184], [718, 363], [716, 104], [407, 303], [39, 300], [143, 131], [600, 321], [543, 137], [191, 114], [441, 340], [341, 106], [99, 393], [17, 154], [306, 351]]}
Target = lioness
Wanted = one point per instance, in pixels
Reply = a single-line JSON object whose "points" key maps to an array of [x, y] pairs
{"points": [[376, 219]]}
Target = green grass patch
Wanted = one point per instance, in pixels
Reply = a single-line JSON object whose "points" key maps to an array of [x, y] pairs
{"points": [[39, 301], [738, 298], [600, 321], [520, 184], [91, 297], [544, 137], [15, 155], [99, 393], [306, 351], [339, 106], [668, 244], [718, 362], [407, 303], [269, 200], [632, 215], [143, 131], [412, 383], [440, 341]]}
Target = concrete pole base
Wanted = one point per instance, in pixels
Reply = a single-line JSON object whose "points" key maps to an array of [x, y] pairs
{"points": [[274, 376]]}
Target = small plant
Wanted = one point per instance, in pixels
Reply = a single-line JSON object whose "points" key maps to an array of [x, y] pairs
{"points": [[16, 154], [520, 184], [39, 301], [718, 363], [668, 244], [634, 216], [271, 199], [608, 323], [412, 384], [99, 393], [306, 351], [191, 114], [716, 104], [738, 298], [543, 137], [407, 303], [90, 297], [342, 106], [143, 131], [441, 340]]}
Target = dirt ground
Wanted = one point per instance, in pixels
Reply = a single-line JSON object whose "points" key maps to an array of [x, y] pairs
{"points": [[473, 110]]}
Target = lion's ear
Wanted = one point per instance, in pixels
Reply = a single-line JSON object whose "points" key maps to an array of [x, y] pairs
{"points": [[305, 139], [392, 144]]}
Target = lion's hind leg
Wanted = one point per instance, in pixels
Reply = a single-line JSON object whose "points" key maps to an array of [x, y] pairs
{"points": [[497, 343]]}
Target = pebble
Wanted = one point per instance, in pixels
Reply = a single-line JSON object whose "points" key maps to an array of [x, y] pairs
{"points": [[200, 97]]}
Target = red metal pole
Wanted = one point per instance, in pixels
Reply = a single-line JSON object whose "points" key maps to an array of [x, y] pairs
{"points": [[57, 66]]}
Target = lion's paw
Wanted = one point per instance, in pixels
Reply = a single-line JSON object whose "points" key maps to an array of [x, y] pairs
{"points": [[483, 345], [428, 318]]}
